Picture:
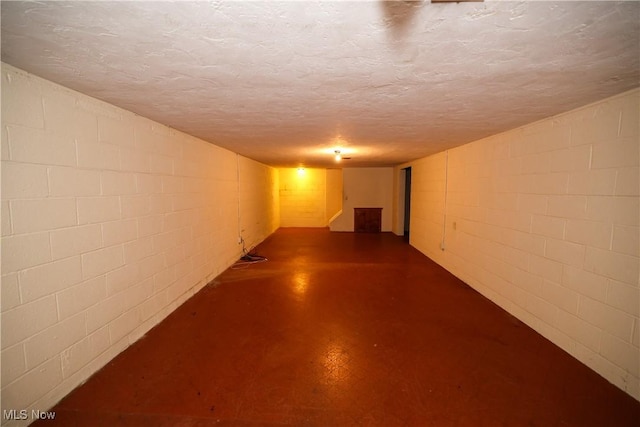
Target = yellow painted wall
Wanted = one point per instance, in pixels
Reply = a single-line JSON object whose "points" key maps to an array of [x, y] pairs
{"points": [[303, 197], [259, 201], [334, 193]]}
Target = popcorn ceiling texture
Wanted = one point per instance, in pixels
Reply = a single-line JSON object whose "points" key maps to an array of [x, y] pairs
{"points": [[279, 81], [543, 220], [109, 222]]}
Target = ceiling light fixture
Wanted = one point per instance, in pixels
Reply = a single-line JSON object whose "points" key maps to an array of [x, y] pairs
{"points": [[338, 155]]}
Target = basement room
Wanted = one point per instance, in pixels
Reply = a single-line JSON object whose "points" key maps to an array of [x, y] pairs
{"points": [[320, 213]]}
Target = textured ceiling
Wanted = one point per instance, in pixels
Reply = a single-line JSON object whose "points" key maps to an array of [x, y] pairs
{"points": [[281, 82]]}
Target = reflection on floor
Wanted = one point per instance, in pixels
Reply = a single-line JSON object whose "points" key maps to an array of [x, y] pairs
{"points": [[342, 329]]}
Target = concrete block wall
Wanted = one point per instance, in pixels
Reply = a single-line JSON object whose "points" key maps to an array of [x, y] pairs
{"points": [[544, 221], [109, 222], [427, 202], [303, 196], [259, 201]]}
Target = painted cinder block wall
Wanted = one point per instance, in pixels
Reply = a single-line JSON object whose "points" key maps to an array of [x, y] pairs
{"points": [[543, 220], [303, 195], [109, 222], [259, 201]]}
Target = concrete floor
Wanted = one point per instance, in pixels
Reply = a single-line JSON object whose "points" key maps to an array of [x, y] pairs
{"points": [[343, 329]]}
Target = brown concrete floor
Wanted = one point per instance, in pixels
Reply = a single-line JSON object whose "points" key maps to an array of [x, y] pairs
{"points": [[342, 329]]}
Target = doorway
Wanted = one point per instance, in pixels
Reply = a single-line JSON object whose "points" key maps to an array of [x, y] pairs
{"points": [[407, 202]]}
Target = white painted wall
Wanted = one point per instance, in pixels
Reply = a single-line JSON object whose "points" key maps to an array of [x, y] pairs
{"points": [[109, 222], [543, 220], [365, 188]]}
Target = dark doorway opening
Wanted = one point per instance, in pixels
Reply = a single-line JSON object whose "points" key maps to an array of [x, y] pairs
{"points": [[407, 202]]}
